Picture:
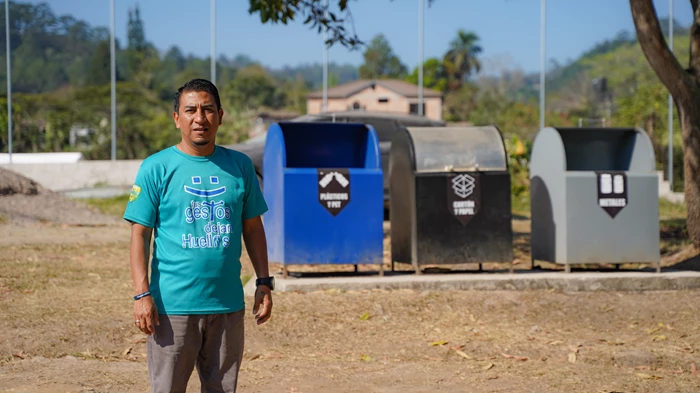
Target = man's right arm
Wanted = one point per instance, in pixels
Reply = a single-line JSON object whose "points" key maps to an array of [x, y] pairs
{"points": [[145, 312]]}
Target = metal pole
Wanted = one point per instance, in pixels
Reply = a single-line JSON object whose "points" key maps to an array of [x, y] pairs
{"points": [[9, 80], [324, 107], [543, 8], [213, 41], [113, 77], [420, 57], [670, 107]]}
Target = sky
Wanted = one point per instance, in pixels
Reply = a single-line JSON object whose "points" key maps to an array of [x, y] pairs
{"points": [[509, 30]]}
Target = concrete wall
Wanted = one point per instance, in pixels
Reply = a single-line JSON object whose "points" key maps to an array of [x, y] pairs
{"points": [[82, 174]]}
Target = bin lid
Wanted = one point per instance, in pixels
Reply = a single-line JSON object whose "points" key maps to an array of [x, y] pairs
{"points": [[447, 149]]}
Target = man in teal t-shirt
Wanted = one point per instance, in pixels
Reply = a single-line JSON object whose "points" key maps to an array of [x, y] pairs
{"points": [[198, 199]]}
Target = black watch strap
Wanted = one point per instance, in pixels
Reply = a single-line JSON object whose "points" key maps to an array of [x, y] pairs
{"points": [[268, 281]]}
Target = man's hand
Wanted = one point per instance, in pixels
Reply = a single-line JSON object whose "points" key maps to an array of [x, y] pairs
{"points": [[256, 244], [146, 315], [263, 297]]}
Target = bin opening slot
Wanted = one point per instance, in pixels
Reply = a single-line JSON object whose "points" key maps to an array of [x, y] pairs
{"points": [[456, 149], [325, 145], [598, 149]]}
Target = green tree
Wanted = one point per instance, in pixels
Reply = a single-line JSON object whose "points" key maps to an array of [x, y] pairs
{"points": [[253, 88], [434, 76], [135, 33], [460, 104], [295, 95], [380, 61], [461, 58], [139, 51], [100, 68]]}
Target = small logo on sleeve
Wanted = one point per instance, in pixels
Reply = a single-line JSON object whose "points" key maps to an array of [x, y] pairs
{"points": [[135, 192]]}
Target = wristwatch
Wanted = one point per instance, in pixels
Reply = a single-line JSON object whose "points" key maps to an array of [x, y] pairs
{"points": [[269, 281]]}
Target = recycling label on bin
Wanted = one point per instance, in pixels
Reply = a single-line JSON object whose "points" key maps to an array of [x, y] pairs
{"points": [[612, 191], [334, 189], [463, 196]]}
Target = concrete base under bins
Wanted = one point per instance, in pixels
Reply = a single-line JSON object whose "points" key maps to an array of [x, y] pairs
{"points": [[521, 281]]}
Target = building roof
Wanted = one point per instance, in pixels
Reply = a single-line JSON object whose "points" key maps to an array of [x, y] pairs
{"points": [[400, 87]]}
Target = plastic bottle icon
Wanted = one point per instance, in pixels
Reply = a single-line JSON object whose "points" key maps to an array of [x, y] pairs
{"points": [[326, 179], [341, 179], [618, 184], [606, 185]]}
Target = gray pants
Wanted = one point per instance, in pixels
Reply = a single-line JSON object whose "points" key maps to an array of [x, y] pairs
{"points": [[214, 343]]}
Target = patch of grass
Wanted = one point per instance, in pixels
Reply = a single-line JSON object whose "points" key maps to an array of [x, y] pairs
{"points": [[668, 209], [520, 204], [3, 219], [113, 206], [673, 235]]}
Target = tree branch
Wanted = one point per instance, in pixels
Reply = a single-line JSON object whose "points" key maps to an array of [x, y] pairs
{"points": [[283, 11], [694, 4], [655, 49]]}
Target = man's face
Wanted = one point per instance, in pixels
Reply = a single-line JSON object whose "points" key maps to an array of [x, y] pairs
{"points": [[198, 119]]}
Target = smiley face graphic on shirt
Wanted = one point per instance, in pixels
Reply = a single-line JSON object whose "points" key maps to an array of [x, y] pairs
{"points": [[205, 193]]}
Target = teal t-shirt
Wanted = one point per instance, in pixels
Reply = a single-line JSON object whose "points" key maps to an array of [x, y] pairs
{"points": [[196, 206]]}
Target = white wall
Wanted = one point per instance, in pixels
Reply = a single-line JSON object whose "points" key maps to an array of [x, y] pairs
{"points": [[82, 174]]}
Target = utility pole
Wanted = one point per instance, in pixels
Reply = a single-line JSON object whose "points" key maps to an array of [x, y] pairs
{"points": [[420, 57], [9, 80], [324, 107], [543, 65], [113, 77], [213, 41]]}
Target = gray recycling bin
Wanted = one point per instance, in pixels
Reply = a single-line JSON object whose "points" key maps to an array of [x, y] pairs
{"points": [[450, 197], [594, 197]]}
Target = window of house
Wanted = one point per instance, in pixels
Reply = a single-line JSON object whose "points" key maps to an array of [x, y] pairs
{"points": [[414, 109], [383, 100]]}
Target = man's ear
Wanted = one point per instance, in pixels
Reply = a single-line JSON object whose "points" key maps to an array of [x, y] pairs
{"points": [[175, 118], [221, 115]]}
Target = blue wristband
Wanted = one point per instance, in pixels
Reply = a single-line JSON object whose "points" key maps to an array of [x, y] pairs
{"points": [[142, 295]]}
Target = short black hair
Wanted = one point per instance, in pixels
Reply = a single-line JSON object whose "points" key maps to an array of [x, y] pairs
{"points": [[197, 85]]}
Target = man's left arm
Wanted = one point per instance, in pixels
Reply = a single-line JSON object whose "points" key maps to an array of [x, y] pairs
{"points": [[256, 244]]}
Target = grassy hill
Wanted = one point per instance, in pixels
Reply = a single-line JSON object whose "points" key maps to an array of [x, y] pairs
{"points": [[620, 61]]}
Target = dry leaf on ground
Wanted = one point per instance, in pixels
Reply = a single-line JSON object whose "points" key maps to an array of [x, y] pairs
{"points": [[521, 358]]}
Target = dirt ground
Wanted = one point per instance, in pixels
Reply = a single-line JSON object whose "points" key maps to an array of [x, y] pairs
{"points": [[24, 203], [66, 327], [65, 290]]}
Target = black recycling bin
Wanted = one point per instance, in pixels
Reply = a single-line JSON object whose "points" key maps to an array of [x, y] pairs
{"points": [[450, 197]]}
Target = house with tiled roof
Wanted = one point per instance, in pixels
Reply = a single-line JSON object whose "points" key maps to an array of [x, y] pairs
{"points": [[377, 95]]}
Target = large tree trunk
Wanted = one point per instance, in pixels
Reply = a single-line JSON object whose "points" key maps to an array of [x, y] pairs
{"points": [[690, 130], [684, 86]]}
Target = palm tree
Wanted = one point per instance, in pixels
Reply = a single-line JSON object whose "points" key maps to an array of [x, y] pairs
{"points": [[460, 60]]}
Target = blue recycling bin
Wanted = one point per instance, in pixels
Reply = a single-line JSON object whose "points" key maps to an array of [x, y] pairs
{"points": [[324, 186]]}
